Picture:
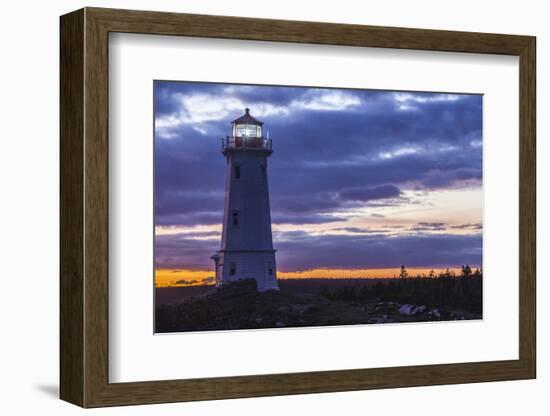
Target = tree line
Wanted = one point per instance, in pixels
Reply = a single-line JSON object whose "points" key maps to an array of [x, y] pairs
{"points": [[445, 290], [466, 271]]}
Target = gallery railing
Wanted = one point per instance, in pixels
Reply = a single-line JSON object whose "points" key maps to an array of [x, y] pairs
{"points": [[246, 143]]}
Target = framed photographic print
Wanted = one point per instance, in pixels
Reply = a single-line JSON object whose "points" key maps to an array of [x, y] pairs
{"points": [[255, 207]]}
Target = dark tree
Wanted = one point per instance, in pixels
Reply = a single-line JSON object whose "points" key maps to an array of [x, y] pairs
{"points": [[466, 271], [446, 273], [403, 274]]}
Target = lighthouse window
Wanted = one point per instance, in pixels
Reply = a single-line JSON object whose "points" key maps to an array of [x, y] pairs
{"points": [[232, 268], [247, 130], [235, 218], [270, 268], [237, 172]]}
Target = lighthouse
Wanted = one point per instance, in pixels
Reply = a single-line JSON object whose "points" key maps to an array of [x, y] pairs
{"points": [[246, 250]]}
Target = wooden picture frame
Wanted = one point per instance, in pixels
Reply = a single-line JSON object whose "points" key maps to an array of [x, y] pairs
{"points": [[84, 207]]}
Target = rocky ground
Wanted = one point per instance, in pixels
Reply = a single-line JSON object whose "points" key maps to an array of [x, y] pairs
{"points": [[240, 306]]}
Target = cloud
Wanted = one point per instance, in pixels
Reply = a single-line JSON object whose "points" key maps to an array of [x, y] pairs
{"points": [[193, 219], [299, 250], [429, 226], [368, 194], [362, 230], [326, 100], [305, 219], [305, 252], [186, 282], [407, 101], [401, 151], [471, 226], [176, 251], [197, 109], [335, 152]]}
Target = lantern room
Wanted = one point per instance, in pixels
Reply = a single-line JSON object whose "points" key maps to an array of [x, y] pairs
{"points": [[247, 126], [246, 134]]}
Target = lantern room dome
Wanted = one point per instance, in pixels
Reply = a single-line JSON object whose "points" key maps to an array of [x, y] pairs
{"points": [[247, 119]]}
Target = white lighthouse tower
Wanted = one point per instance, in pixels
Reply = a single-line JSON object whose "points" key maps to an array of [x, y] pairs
{"points": [[247, 245]]}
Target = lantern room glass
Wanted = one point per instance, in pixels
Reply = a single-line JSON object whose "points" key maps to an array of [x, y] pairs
{"points": [[247, 130]]}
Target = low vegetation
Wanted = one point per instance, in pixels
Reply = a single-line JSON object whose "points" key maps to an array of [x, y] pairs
{"points": [[447, 293]]}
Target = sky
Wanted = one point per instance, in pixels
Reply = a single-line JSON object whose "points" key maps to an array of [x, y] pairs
{"points": [[361, 181]]}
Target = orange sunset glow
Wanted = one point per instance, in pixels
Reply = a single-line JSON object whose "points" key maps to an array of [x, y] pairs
{"points": [[176, 277]]}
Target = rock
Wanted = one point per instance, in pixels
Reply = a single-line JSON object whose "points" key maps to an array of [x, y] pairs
{"points": [[406, 309], [419, 309], [239, 288], [280, 324], [299, 309], [411, 310]]}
